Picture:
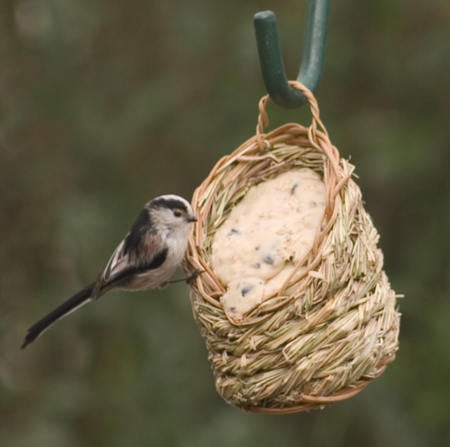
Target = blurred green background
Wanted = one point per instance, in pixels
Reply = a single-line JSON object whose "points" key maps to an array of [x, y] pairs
{"points": [[104, 105]]}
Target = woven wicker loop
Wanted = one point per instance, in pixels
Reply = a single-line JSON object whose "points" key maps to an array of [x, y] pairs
{"points": [[316, 124], [333, 325], [263, 119]]}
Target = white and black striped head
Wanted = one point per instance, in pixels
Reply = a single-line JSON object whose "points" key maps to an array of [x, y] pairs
{"points": [[170, 211]]}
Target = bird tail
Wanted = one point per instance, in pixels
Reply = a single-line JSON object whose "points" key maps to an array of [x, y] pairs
{"points": [[73, 303]]}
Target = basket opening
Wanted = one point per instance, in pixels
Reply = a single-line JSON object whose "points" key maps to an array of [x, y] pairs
{"points": [[265, 236]]}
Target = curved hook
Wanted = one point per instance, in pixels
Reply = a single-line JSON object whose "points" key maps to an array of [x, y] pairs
{"points": [[271, 61]]}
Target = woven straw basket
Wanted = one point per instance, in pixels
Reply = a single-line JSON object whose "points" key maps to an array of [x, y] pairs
{"points": [[333, 326]]}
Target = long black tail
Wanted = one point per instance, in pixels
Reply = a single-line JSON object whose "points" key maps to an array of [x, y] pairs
{"points": [[73, 303]]}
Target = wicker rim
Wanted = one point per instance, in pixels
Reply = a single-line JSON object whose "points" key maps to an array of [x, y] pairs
{"points": [[334, 178]]}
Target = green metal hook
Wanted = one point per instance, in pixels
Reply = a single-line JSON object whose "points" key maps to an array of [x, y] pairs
{"points": [[271, 61]]}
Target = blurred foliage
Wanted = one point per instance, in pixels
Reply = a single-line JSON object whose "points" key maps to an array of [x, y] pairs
{"points": [[104, 105]]}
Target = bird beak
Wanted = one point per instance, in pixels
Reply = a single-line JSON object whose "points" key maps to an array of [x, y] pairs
{"points": [[191, 219]]}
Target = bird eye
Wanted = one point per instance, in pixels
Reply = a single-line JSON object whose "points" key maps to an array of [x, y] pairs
{"points": [[177, 213]]}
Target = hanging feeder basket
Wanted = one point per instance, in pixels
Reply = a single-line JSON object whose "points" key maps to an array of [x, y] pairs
{"points": [[332, 325]]}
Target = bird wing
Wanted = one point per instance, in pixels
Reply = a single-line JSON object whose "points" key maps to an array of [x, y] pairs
{"points": [[140, 251]]}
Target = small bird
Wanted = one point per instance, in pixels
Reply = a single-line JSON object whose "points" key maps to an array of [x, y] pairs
{"points": [[145, 259]]}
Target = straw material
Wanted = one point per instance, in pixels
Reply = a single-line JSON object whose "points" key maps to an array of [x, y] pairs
{"points": [[333, 325]]}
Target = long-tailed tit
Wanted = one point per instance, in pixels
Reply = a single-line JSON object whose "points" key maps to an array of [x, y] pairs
{"points": [[145, 259]]}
